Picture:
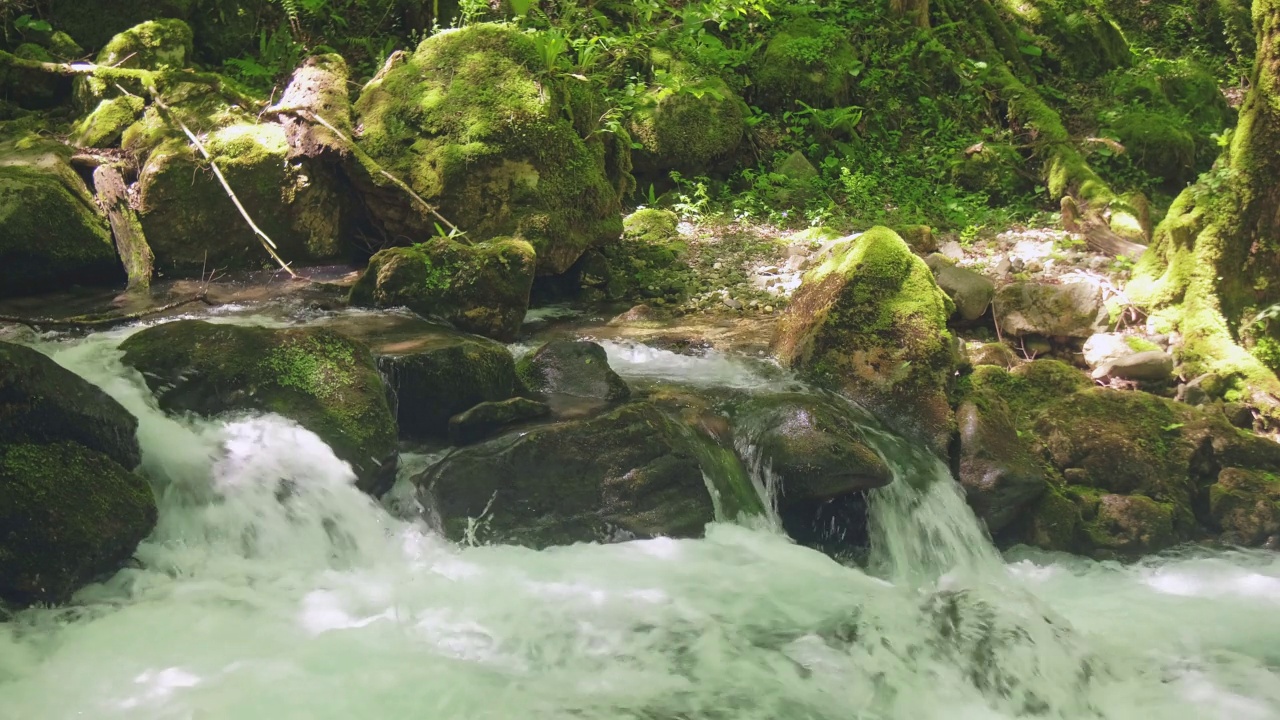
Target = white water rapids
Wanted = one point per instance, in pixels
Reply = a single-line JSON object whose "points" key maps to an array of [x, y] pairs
{"points": [[273, 589]]}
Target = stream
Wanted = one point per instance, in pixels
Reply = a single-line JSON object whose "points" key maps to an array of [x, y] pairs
{"points": [[250, 604]]}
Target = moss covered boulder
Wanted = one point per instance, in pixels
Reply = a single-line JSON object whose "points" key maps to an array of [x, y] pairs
{"points": [[103, 127], [872, 321], [997, 468], [51, 232], [150, 45], [325, 382], [488, 418], [1067, 311], [473, 124], [443, 374], [1158, 143], [481, 288], [997, 169], [648, 263], [688, 122], [575, 368], [633, 472], [192, 225], [68, 516], [814, 446], [1246, 506], [806, 61], [33, 89]]}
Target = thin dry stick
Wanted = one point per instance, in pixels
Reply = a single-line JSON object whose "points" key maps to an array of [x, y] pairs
{"points": [[267, 243], [314, 117]]}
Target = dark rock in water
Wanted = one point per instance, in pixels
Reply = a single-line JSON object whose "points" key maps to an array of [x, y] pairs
{"points": [[324, 381], [1246, 505], [814, 446], [576, 368], [68, 516], [446, 373], [997, 469], [633, 472], [42, 402], [487, 418]]}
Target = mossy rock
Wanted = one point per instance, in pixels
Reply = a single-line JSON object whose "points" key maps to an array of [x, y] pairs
{"points": [[470, 121], [33, 89], [488, 418], [815, 447], [481, 288], [1246, 505], [1071, 310], [192, 224], [1075, 38], [633, 472], [1028, 388], [691, 125], [103, 127], [997, 169], [53, 234], [646, 264], [42, 402], [872, 321], [574, 368], [149, 45], [325, 382], [446, 373], [998, 469], [93, 25], [1158, 143], [69, 515], [805, 61]]}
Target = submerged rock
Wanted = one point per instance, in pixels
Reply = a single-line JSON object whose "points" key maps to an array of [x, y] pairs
{"points": [[575, 368], [872, 321], [481, 288], [1246, 505], [325, 382], [53, 234], [473, 124], [488, 418], [444, 374], [633, 472], [71, 509], [815, 446]]}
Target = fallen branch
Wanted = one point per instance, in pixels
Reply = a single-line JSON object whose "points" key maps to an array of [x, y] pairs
{"points": [[103, 322]]}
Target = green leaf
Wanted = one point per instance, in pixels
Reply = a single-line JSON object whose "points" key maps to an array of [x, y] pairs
{"points": [[1031, 50]]}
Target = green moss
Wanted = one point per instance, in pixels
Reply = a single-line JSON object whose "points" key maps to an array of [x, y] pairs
{"points": [[480, 288], [689, 123], [448, 374], [1159, 144], [151, 45], [473, 126], [104, 126], [324, 381], [997, 170], [1055, 523], [872, 319], [71, 515], [1140, 344], [806, 61], [1028, 388]]}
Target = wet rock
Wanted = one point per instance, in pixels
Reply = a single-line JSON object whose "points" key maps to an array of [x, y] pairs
{"points": [[919, 238], [997, 354], [53, 233], [443, 374], [1150, 366], [424, 121], [872, 320], [1130, 525], [814, 446], [1072, 310], [638, 315], [71, 509], [325, 382], [998, 470], [488, 418], [633, 472], [1246, 505], [70, 515], [481, 288], [575, 368]]}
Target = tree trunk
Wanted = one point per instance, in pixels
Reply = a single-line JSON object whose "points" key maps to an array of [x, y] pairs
{"points": [[1212, 270], [131, 244], [916, 10]]}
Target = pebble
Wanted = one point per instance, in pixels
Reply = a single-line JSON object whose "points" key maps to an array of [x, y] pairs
{"points": [[733, 304], [768, 308]]}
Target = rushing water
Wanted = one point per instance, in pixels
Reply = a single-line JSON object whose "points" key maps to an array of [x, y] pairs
{"points": [[273, 589]]}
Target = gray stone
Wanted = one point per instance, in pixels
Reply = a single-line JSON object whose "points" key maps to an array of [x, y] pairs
{"points": [[952, 249], [971, 291], [1073, 310], [1149, 366], [1102, 348], [575, 368]]}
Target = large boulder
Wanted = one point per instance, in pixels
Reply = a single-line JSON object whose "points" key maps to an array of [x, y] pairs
{"points": [[814, 446], [633, 472], [574, 368], [970, 291], [1246, 505], [1071, 310], [997, 469], [71, 509], [806, 61], [43, 402], [647, 263], [481, 288], [193, 225], [872, 321], [487, 418], [443, 374], [472, 122], [53, 234], [688, 123], [150, 45], [325, 382]]}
